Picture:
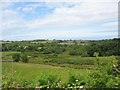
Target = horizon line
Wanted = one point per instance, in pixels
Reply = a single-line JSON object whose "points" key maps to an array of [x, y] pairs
{"points": [[61, 39]]}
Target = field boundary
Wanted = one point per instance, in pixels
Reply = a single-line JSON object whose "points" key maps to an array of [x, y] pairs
{"points": [[6, 60]]}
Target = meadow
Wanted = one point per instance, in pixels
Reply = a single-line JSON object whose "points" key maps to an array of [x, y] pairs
{"points": [[55, 64], [34, 72]]}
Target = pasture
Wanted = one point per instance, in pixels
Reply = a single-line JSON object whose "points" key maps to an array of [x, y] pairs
{"points": [[34, 72]]}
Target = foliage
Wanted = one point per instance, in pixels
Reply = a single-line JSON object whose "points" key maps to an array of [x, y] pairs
{"points": [[104, 76], [103, 47], [16, 57], [24, 58], [95, 79]]}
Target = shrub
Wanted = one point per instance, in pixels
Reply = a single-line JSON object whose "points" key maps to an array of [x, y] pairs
{"points": [[16, 57], [73, 53], [24, 58], [50, 81]]}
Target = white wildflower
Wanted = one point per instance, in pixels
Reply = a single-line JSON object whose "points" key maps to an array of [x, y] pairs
{"points": [[81, 86], [76, 80], [41, 86]]}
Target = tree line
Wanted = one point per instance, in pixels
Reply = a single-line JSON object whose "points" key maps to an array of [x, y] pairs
{"points": [[103, 47]]}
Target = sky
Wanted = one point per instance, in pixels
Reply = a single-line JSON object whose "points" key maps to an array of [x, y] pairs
{"points": [[51, 19]]}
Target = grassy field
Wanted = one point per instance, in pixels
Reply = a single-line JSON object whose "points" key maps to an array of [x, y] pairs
{"points": [[63, 60], [63, 68], [60, 64], [34, 72]]}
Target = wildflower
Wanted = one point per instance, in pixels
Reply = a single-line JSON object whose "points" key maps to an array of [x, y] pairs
{"points": [[36, 87], [116, 84], [81, 87], [41, 86], [76, 80], [68, 85]]}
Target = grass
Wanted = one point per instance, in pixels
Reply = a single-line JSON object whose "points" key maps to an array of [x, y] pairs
{"points": [[29, 74], [63, 60], [35, 71]]}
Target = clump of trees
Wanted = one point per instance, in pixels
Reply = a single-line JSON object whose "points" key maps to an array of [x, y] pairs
{"points": [[20, 57], [104, 47]]}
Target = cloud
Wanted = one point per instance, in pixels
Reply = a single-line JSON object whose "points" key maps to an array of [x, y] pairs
{"points": [[27, 9], [84, 13], [62, 21], [61, 34], [11, 20], [111, 24], [30, 6], [59, 0]]}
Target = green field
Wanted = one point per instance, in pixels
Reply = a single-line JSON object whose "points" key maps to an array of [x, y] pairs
{"points": [[59, 64], [34, 71], [27, 75]]}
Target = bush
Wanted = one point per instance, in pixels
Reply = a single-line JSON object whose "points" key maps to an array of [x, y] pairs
{"points": [[24, 58], [74, 53], [16, 57], [50, 81]]}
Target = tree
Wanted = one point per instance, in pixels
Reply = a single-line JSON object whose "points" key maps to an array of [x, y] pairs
{"points": [[16, 57]]}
